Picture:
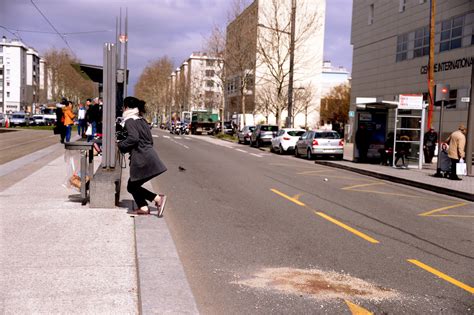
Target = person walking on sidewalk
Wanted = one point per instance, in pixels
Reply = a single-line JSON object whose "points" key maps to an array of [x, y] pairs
{"points": [[68, 120], [429, 144], [362, 140], [81, 120], [144, 161], [457, 142], [60, 128]]}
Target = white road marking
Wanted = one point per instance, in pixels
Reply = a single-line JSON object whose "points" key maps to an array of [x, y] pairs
{"points": [[155, 136], [167, 137], [240, 150], [187, 138], [256, 155], [177, 137]]}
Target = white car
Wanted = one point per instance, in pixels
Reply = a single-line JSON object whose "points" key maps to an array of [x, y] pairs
{"points": [[286, 140]]}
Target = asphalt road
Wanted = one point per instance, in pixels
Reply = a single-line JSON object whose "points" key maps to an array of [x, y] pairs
{"points": [[260, 233]]}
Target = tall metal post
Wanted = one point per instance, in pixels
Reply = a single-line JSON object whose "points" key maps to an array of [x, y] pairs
{"points": [[125, 73], [108, 120], [470, 128], [440, 135], [289, 121]]}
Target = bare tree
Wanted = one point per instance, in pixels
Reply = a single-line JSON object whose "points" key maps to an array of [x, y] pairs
{"points": [[152, 85], [65, 77], [273, 46], [302, 104]]}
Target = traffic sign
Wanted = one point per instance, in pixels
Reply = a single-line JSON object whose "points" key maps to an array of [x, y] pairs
{"points": [[410, 101]]}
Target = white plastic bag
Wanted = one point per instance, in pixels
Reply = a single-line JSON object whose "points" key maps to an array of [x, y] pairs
{"points": [[89, 130], [461, 169], [73, 175]]}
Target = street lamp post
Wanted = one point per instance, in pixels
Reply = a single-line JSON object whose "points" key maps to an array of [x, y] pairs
{"points": [[289, 121]]}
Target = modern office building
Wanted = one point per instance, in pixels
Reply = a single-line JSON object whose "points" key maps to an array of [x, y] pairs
{"points": [[258, 62], [391, 57], [19, 76], [196, 84]]}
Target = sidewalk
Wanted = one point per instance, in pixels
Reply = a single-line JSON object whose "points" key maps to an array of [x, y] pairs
{"points": [[423, 179], [57, 256]]}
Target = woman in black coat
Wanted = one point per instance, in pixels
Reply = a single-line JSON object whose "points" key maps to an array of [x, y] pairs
{"points": [[144, 161]]}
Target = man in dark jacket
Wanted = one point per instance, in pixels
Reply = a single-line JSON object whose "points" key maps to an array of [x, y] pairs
{"points": [[60, 128], [362, 142], [429, 144]]}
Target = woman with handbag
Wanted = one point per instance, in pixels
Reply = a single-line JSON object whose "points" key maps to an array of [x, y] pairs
{"points": [[144, 161]]}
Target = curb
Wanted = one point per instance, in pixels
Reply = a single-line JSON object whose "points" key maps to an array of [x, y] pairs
{"points": [[437, 189]]}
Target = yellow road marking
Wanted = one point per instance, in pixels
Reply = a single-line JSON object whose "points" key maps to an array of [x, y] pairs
{"points": [[442, 275], [292, 199], [356, 309], [442, 209], [362, 185], [452, 215], [348, 228]]}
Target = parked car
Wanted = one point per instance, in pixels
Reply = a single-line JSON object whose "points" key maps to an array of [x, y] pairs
{"points": [[263, 135], [39, 120], [320, 142], [286, 140], [18, 119], [228, 128], [243, 136]]}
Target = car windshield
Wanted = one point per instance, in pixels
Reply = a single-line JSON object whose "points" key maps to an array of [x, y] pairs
{"points": [[269, 128], [252, 128], [18, 116], [327, 135], [295, 133]]}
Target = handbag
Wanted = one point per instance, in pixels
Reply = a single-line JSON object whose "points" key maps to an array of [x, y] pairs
{"points": [[89, 130], [461, 169]]}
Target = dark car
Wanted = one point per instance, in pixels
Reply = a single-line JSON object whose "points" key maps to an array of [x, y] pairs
{"points": [[244, 135], [263, 135]]}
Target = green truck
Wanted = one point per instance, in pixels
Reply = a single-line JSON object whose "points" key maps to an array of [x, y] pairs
{"points": [[203, 121]]}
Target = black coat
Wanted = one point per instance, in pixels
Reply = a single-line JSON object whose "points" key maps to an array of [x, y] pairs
{"points": [[144, 161]]}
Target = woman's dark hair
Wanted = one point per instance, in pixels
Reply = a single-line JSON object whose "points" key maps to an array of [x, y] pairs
{"points": [[133, 102]]}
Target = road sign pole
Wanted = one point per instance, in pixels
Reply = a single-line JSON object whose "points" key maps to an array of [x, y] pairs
{"points": [[470, 128], [440, 133]]}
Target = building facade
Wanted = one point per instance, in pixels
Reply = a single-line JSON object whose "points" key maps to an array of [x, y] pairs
{"points": [[391, 56], [196, 84], [258, 62], [19, 77]]}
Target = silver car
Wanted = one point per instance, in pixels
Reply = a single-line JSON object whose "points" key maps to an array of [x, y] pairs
{"points": [[263, 134], [320, 142]]}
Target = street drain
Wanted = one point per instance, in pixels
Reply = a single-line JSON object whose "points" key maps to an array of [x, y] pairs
{"points": [[321, 285]]}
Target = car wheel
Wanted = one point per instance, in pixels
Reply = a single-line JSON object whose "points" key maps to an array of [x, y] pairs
{"points": [[272, 149], [339, 157], [309, 155], [280, 150], [257, 143], [296, 152]]}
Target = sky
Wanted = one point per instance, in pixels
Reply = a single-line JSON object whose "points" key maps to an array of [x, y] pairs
{"points": [[156, 28]]}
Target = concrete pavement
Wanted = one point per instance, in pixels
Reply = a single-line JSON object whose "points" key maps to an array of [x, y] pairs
{"points": [[60, 257]]}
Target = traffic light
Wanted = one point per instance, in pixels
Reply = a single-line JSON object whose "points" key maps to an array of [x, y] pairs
{"points": [[442, 92]]}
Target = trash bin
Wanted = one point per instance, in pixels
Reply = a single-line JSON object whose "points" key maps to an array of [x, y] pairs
{"points": [[86, 168]]}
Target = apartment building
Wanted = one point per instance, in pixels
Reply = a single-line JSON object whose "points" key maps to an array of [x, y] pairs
{"points": [[391, 56], [19, 76], [196, 84], [258, 62]]}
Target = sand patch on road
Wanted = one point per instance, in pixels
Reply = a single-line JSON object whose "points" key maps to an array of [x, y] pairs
{"points": [[317, 284]]}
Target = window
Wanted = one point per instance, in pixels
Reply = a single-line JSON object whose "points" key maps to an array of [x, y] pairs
{"points": [[8, 72], [402, 6], [8, 94], [371, 14], [422, 42], [210, 83], [210, 63], [402, 47], [451, 34], [8, 83], [210, 73]]}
